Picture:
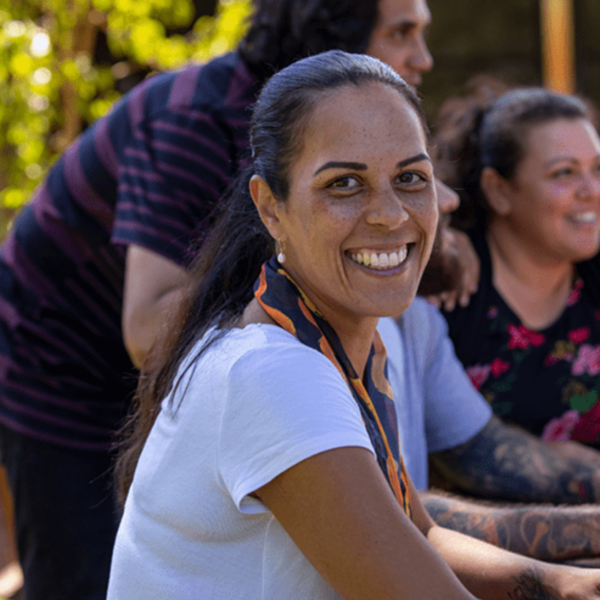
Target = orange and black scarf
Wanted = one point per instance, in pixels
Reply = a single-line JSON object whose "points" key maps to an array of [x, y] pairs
{"points": [[290, 308]]}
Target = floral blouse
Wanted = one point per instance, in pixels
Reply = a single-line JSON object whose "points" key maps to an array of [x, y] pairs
{"points": [[546, 381]]}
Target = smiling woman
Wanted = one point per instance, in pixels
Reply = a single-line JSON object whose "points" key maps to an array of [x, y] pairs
{"points": [[271, 463], [527, 165]]}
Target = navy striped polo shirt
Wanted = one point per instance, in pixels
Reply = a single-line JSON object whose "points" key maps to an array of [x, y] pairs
{"points": [[149, 174]]}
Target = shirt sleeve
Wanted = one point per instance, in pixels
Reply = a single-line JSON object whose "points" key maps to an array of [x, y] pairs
{"points": [[284, 404], [454, 410], [174, 169]]}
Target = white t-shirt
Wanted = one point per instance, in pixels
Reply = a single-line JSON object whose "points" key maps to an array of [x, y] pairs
{"points": [[437, 406], [255, 404]]}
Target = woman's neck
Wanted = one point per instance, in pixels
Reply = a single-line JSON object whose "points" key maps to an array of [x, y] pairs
{"points": [[535, 287], [356, 339]]}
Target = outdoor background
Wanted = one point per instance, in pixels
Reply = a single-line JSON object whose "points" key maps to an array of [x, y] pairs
{"points": [[63, 63]]}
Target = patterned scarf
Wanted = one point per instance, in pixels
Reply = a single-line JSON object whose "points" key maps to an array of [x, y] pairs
{"points": [[291, 309]]}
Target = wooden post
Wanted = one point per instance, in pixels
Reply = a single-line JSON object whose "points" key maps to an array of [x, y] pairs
{"points": [[558, 53]]}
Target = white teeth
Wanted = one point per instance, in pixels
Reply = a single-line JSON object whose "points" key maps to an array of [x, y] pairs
{"points": [[586, 217], [381, 261]]}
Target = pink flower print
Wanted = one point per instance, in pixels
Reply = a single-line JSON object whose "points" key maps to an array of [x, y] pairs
{"points": [[536, 339], [559, 429], [521, 337], [498, 367], [478, 375], [588, 427], [518, 339], [579, 335], [492, 313], [587, 361], [575, 293]]}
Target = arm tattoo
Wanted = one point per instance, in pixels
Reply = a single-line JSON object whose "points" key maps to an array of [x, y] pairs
{"points": [[530, 587], [507, 463], [544, 532]]}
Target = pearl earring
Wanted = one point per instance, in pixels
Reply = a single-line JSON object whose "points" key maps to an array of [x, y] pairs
{"points": [[281, 254]]}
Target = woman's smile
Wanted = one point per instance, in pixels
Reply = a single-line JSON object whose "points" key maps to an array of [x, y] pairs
{"points": [[375, 260]]}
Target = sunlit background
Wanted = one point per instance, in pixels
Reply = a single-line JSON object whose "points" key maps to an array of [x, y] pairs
{"points": [[63, 63]]}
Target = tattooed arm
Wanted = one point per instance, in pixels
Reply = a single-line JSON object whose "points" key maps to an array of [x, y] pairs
{"points": [[505, 463], [544, 532]]}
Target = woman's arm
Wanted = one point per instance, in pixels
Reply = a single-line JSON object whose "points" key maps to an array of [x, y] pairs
{"points": [[341, 513], [495, 574]]}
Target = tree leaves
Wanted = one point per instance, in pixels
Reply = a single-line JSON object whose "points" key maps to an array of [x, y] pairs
{"points": [[52, 85]]}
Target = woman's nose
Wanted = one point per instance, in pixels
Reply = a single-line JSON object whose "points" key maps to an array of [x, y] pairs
{"points": [[387, 209]]}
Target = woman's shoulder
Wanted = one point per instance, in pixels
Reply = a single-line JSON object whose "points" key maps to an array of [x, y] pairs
{"points": [[255, 347]]}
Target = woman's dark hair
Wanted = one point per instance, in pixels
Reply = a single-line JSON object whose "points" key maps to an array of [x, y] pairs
{"points": [[223, 274], [283, 31], [489, 128]]}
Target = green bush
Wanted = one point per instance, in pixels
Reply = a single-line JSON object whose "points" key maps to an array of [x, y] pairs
{"points": [[51, 86]]}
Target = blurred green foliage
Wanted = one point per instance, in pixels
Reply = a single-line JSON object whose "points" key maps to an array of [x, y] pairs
{"points": [[51, 85]]}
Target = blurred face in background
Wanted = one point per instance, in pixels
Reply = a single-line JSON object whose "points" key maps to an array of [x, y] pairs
{"points": [[551, 206], [398, 38]]}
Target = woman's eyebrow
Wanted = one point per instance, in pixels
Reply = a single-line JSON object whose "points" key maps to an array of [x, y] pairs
{"points": [[341, 165], [334, 164], [558, 159], [412, 159]]}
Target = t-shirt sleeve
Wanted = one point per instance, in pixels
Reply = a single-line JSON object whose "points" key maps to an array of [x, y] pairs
{"points": [[284, 404], [171, 174], [454, 410]]}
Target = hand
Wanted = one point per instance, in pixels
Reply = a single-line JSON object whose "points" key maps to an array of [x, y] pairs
{"points": [[575, 583], [469, 279]]}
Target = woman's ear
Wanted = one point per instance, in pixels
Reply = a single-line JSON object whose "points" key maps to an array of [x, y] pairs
{"points": [[496, 190], [266, 204]]}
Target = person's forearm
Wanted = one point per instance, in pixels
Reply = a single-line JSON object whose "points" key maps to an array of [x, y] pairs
{"points": [[506, 463], [153, 286], [538, 531], [145, 327], [492, 573]]}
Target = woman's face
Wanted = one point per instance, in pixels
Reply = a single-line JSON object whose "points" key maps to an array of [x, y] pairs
{"points": [[555, 193], [361, 213]]}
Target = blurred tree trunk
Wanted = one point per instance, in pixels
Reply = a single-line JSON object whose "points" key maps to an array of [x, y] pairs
{"points": [[80, 42]]}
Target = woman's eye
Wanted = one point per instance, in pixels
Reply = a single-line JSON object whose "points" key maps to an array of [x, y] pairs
{"points": [[344, 183], [562, 173], [410, 178]]}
